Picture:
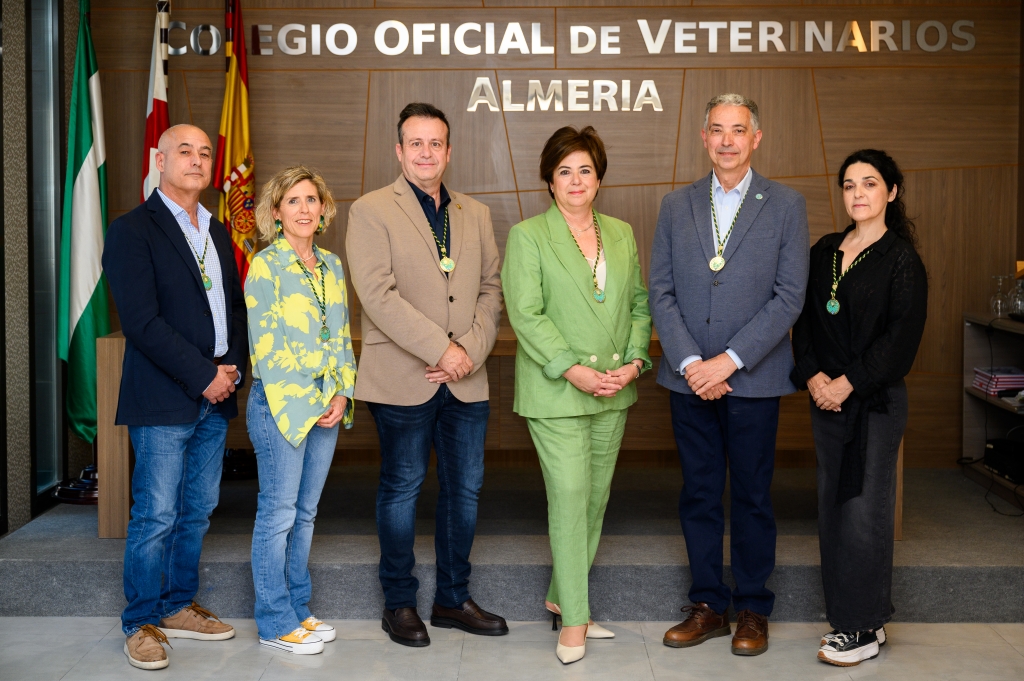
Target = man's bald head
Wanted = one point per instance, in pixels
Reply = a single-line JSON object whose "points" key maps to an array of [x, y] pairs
{"points": [[185, 160]]}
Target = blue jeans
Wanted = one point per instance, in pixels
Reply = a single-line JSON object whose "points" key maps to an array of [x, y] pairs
{"points": [[735, 434], [456, 430], [175, 487], [291, 480]]}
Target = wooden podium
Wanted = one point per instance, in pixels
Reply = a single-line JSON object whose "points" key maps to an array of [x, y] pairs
{"points": [[114, 448]]}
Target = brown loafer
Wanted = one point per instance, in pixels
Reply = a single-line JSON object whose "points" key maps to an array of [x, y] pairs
{"points": [[470, 618], [751, 636], [405, 627], [700, 624]]}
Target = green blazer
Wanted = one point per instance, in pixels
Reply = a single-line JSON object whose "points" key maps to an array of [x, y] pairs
{"points": [[548, 288]]}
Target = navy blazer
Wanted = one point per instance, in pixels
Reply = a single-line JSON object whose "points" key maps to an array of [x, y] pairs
{"points": [[166, 317], [750, 305]]}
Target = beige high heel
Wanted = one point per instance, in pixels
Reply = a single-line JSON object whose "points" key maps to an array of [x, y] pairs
{"points": [[594, 630], [570, 654]]}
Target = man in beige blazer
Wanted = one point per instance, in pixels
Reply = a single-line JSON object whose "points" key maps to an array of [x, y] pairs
{"points": [[424, 264]]}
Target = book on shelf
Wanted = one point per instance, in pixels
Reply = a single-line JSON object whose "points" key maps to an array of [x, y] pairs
{"points": [[993, 380]]}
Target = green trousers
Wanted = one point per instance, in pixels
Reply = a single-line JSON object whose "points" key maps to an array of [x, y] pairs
{"points": [[577, 457]]}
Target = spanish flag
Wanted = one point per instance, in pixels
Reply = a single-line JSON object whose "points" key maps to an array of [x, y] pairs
{"points": [[233, 170]]}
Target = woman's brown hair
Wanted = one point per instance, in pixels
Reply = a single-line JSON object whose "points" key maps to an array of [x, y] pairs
{"points": [[566, 141]]}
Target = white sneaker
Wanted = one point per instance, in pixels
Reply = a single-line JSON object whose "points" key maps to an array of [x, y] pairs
{"points": [[879, 634], [324, 631], [848, 649], [299, 642]]}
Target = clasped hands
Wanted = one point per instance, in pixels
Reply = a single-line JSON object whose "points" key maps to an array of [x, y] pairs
{"points": [[223, 383], [829, 394], [454, 364], [599, 384], [707, 379]]}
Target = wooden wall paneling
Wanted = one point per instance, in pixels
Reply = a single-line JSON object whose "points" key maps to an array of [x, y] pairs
{"points": [[447, 3], [124, 37], [480, 156], [504, 213], [639, 207], [927, 128], [177, 99], [791, 142], [933, 436], [925, 3], [639, 144], [989, 212], [819, 205], [126, 126], [649, 424], [113, 444], [795, 423], [493, 438], [995, 30], [309, 117], [514, 433], [534, 202], [934, 199]]}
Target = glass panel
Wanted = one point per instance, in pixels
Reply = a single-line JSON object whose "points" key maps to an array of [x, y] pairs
{"points": [[45, 153]]}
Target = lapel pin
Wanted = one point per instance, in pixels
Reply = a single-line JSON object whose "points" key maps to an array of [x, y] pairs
{"points": [[758, 196], [459, 206]]}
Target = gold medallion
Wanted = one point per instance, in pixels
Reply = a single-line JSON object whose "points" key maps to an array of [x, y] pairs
{"points": [[717, 263], [446, 264]]}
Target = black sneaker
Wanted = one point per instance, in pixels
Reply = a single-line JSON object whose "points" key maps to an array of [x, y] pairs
{"points": [[879, 633], [849, 648]]}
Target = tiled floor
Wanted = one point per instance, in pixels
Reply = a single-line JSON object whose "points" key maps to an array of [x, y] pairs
{"points": [[40, 649]]}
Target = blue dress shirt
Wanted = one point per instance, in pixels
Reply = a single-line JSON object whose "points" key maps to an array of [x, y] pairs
{"points": [[435, 215], [727, 203]]}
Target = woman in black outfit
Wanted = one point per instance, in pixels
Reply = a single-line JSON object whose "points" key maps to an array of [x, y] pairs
{"points": [[856, 339]]}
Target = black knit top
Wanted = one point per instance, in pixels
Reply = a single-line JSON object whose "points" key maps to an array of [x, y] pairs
{"points": [[883, 302]]}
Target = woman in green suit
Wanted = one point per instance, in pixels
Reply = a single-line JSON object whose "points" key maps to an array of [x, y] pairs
{"points": [[577, 301]]}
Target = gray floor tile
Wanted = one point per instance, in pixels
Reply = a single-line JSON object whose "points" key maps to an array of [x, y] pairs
{"points": [[921, 634], [238, 659], [369, 661], [1012, 633], [949, 663], [37, 658], [535, 660], [785, 659]]}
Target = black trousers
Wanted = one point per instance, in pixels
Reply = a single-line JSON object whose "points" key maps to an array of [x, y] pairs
{"points": [[856, 537]]}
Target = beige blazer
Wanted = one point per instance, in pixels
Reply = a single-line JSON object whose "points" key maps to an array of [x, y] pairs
{"points": [[410, 309]]}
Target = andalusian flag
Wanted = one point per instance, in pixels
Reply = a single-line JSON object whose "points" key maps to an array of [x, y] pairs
{"points": [[82, 315], [233, 172]]}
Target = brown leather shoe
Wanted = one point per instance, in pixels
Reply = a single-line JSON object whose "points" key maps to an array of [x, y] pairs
{"points": [[470, 618], [751, 636], [144, 649], [700, 624], [404, 626], [196, 622]]}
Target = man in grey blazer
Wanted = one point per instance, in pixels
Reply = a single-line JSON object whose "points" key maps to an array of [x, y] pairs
{"points": [[728, 275]]}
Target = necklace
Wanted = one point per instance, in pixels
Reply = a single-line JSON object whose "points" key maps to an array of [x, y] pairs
{"points": [[446, 264], [578, 232], [833, 305], [718, 262], [207, 282], [321, 297], [598, 291]]}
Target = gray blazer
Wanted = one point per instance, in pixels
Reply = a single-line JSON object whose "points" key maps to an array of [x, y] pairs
{"points": [[748, 306]]}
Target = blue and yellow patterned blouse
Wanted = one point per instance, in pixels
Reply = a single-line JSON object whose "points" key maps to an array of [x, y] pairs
{"points": [[284, 338]]}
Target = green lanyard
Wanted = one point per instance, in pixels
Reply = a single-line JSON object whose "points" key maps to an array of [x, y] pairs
{"points": [[833, 305], [446, 264], [598, 291], [718, 262], [207, 282], [321, 297]]}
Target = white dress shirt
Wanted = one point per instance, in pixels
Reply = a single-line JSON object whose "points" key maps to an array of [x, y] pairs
{"points": [[727, 203]]}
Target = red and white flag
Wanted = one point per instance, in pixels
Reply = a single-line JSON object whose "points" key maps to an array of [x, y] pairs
{"points": [[157, 120]]}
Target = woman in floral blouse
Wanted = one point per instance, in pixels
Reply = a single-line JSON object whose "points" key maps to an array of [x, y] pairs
{"points": [[303, 378]]}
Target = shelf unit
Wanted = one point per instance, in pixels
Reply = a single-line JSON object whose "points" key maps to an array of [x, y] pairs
{"points": [[990, 341]]}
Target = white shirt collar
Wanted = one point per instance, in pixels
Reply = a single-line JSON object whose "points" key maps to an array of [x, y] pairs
{"points": [[742, 187]]}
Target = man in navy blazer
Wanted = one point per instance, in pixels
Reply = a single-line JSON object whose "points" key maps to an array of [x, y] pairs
{"points": [[173, 276], [728, 275]]}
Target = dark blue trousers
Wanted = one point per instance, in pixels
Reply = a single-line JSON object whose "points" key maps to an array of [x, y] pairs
{"points": [[734, 434], [456, 430]]}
